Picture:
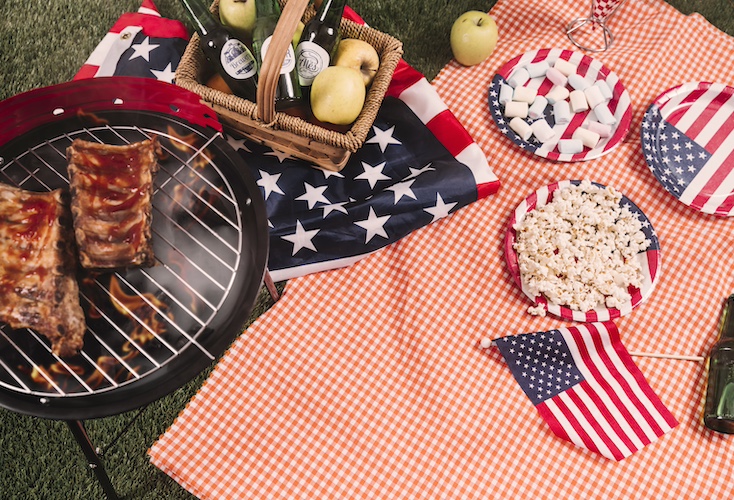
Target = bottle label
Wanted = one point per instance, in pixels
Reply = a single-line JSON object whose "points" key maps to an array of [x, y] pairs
{"points": [[311, 59], [289, 63], [237, 61]]}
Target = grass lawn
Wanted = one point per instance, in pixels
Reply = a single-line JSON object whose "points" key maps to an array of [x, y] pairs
{"points": [[44, 42]]}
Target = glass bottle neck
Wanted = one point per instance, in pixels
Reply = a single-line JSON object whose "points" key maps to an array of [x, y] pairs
{"points": [[726, 326], [331, 11], [199, 13]]}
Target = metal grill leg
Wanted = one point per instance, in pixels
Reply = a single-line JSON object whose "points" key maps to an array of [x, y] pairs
{"points": [[270, 285], [95, 463]]}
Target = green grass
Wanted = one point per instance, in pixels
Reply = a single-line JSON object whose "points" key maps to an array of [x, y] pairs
{"points": [[44, 42]]}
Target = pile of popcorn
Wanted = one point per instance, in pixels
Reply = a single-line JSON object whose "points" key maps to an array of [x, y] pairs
{"points": [[580, 250], [571, 93]]}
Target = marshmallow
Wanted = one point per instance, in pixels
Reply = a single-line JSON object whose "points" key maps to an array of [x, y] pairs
{"points": [[599, 128], [570, 146], [603, 115], [556, 77], [562, 112], [606, 91], [594, 96], [525, 94], [542, 131], [578, 82], [537, 109], [537, 69], [578, 101], [518, 78], [505, 94], [521, 127], [557, 93], [566, 68], [587, 137], [514, 108]]}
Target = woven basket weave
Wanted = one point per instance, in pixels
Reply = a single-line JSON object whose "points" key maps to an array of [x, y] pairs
{"points": [[259, 122]]}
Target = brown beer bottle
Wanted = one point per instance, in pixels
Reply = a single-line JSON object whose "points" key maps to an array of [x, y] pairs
{"points": [[719, 406]]}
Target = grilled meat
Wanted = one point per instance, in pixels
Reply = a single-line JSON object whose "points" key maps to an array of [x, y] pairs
{"points": [[38, 289], [111, 202]]}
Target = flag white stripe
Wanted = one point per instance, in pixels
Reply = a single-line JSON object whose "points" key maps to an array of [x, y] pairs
{"points": [[420, 99], [634, 385], [580, 390], [564, 423], [606, 377], [588, 426]]}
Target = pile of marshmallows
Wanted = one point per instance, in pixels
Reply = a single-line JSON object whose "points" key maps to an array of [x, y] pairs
{"points": [[521, 102]]}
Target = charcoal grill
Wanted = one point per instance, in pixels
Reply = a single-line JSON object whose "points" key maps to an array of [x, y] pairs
{"points": [[151, 330]]}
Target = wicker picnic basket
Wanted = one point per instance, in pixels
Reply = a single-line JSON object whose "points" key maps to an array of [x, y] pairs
{"points": [[324, 147]]}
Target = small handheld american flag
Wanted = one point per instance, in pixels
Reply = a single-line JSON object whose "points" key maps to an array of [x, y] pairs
{"points": [[586, 387]]}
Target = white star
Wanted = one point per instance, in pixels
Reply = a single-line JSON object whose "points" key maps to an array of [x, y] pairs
{"points": [[313, 195], [280, 155], [440, 209], [415, 172], [238, 144], [372, 174], [301, 238], [383, 137], [269, 182], [339, 207], [402, 189], [330, 173], [373, 225], [165, 75], [143, 49]]}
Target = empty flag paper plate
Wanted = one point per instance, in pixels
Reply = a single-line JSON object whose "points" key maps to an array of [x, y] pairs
{"points": [[688, 141], [534, 76]]}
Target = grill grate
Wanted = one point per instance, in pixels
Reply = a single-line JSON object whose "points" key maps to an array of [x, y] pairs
{"points": [[138, 321]]}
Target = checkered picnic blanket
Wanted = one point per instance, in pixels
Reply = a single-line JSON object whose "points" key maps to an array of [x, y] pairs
{"points": [[367, 382]]}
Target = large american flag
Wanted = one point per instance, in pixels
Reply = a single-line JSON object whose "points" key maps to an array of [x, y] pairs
{"points": [[418, 164], [586, 387], [688, 142]]}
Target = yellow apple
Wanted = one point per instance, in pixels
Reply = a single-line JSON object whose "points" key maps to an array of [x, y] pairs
{"points": [[473, 37], [239, 16], [337, 95], [359, 55]]}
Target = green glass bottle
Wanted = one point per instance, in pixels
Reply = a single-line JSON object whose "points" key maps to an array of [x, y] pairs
{"points": [[288, 92], [318, 43], [229, 56], [719, 406]]}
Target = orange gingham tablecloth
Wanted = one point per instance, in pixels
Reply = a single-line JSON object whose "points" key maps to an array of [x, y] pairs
{"points": [[368, 382]]}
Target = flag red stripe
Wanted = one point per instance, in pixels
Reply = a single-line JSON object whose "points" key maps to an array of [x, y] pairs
{"points": [[704, 119], [552, 422], [602, 385], [404, 77], [725, 127], [487, 188], [629, 365], [639, 377], [454, 136], [573, 421], [595, 424], [611, 420], [86, 71], [157, 27], [674, 115]]}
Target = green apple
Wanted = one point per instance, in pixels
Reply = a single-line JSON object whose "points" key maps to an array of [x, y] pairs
{"points": [[297, 34], [337, 95], [239, 16], [473, 37], [360, 55]]}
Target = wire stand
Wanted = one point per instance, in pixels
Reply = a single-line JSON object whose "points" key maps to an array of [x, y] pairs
{"points": [[601, 10]]}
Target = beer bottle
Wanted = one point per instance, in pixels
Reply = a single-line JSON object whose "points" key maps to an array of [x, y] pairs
{"points": [[719, 406], [288, 92], [318, 42], [230, 56]]}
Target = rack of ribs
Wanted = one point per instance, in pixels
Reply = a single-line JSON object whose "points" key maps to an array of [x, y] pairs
{"points": [[111, 192], [38, 288]]}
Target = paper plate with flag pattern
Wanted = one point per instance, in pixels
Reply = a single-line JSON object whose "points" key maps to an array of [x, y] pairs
{"points": [[688, 140], [593, 70], [648, 259]]}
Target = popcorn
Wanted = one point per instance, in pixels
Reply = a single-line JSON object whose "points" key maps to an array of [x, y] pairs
{"points": [[580, 249]]}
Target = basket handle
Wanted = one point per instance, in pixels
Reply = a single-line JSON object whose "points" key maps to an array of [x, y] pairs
{"points": [[270, 70]]}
